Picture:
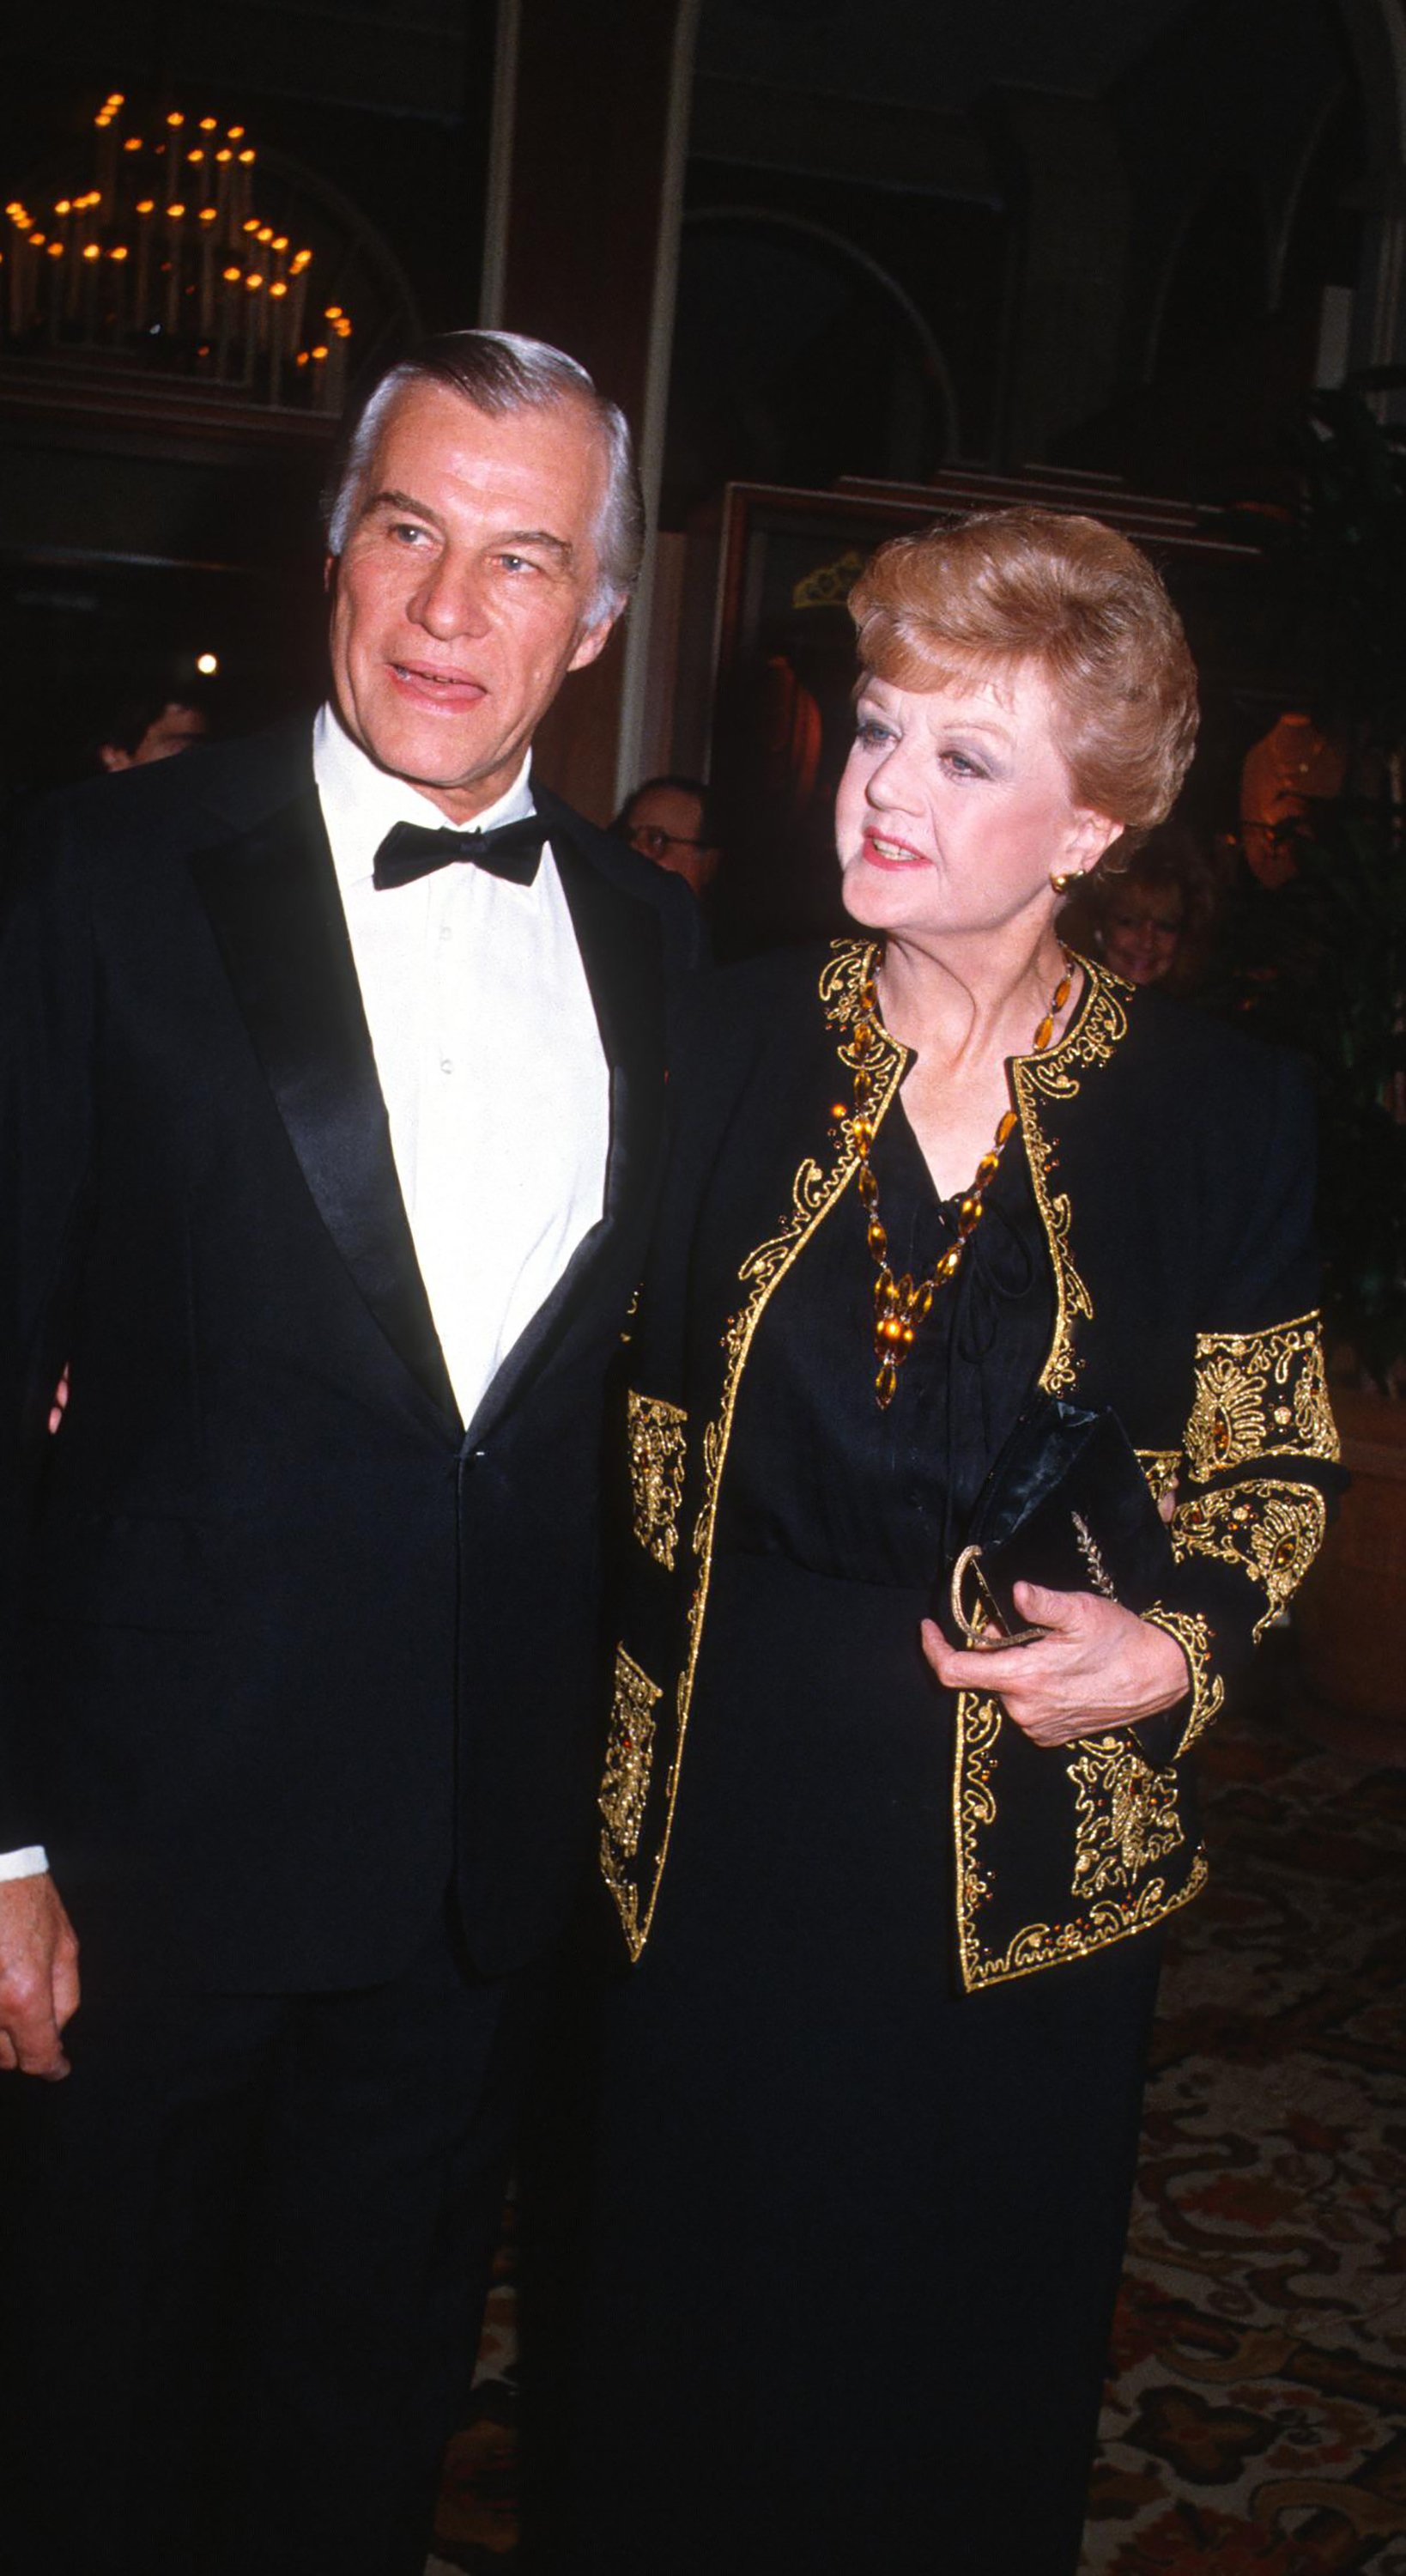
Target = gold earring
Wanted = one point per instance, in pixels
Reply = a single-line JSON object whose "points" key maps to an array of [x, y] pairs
{"points": [[1063, 878]]}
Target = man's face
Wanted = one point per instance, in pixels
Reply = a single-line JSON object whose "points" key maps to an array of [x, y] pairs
{"points": [[666, 824], [465, 590]]}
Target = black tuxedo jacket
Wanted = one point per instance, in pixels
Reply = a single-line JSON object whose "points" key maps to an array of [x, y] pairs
{"points": [[288, 1648]]}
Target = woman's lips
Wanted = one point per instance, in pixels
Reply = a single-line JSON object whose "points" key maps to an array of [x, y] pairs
{"points": [[446, 691], [882, 850]]}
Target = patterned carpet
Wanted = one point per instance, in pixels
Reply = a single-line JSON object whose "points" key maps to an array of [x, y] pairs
{"points": [[1255, 2420]]}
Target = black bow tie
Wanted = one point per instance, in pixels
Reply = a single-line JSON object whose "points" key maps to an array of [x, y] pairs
{"points": [[412, 850]]}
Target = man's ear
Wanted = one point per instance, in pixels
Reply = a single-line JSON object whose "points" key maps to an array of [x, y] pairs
{"points": [[593, 642], [329, 572]]}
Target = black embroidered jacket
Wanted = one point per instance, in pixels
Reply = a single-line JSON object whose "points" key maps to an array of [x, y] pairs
{"points": [[1172, 1166]]}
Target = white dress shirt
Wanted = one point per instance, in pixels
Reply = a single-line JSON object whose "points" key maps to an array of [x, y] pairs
{"points": [[489, 1057], [490, 1062]]}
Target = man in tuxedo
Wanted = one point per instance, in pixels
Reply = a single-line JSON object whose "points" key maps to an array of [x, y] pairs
{"points": [[331, 1086]]}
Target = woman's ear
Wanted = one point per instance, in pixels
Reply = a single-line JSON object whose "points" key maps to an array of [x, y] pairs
{"points": [[1090, 834]]}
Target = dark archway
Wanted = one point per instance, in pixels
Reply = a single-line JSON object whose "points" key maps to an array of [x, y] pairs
{"points": [[797, 359]]}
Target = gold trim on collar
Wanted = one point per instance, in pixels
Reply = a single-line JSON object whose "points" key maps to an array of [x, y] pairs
{"points": [[1098, 1026]]}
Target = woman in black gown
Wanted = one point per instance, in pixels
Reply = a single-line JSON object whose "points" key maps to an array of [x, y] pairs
{"points": [[870, 2093]]}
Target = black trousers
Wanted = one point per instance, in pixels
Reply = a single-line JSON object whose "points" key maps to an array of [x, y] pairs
{"points": [[246, 2246]]}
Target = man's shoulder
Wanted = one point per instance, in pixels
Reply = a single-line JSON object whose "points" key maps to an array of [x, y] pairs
{"points": [[629, 873], [202, 796]]}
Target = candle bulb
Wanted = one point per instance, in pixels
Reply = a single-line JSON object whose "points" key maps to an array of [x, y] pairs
{"points": [[175, 217], [142, 217], [107, 163], [117, 283], [231, 288], [297, 294], [207, 272]]}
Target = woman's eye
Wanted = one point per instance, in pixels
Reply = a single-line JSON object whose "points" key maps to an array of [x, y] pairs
{"points": [[963, 765], [871, 733]]}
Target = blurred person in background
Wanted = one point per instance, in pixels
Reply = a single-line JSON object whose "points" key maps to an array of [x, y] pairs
{"points": [[151, 727], [670, 821], [1153, 918]]}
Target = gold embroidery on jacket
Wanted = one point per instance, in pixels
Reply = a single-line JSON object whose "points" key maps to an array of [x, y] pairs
{"points": [[1125, 1814], [1095, 1030], [1161, 1467], [1268, 1528], [658, 1434], [814, 1192], [1193, 1635], [625, 1786], [1072, 1299], [1259, 1395], [1110, 1917]]}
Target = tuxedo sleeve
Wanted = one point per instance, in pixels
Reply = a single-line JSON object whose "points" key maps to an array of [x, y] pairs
{"points": [[1259, 1469], [48, 1028]]}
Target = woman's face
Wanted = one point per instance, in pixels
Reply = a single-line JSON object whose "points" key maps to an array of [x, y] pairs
{"points": [[956, 807], [1142, 932]]}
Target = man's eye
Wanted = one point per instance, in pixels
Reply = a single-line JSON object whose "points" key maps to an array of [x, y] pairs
{"points": [[406, 533], [517, 563]]}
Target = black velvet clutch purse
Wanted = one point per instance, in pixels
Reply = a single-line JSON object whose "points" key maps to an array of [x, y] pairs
{"points": [[1066, 1504]]}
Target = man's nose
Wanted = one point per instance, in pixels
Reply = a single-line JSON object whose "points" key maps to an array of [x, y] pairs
{"points": [[449, 600]]}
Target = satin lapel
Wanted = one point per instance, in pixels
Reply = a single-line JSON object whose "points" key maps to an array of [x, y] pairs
{"points": [[622, 950], [273, 902]]}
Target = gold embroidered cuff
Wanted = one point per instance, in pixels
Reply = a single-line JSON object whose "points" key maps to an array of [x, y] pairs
{"points": [[1267, 1527], [1193, 1635], [1259, 1395]]}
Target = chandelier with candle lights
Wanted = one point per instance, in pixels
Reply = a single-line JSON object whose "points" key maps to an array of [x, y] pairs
{"points": [[165, 258]]}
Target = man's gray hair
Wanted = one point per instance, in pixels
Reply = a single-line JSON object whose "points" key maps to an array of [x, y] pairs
{"points": [[501, 372]]}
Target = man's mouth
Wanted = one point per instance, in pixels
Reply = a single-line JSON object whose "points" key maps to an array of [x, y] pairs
{"points": [[434, 685]]}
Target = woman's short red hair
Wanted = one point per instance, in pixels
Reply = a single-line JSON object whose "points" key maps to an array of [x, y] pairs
{"points": [[1063, 595]]}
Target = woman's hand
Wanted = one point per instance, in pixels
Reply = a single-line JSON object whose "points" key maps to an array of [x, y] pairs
{"points": [[1099, 1666]]}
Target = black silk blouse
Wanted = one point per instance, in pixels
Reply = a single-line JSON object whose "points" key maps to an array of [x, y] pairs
{"points": [[817, 1471]]}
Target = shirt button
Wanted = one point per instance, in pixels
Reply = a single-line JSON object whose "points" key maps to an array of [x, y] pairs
{"points": [[445, 932], [446, 1064]]}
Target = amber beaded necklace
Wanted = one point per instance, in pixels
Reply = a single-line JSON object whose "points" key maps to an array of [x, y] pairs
{"points": [[901, 1305]]}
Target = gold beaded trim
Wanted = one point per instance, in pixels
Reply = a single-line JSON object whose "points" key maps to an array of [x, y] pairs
{"points": [[657, 1433], [1193, 1635]]}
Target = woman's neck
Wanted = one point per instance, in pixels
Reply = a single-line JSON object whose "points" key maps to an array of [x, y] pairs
{"points": [[971, 1001]]}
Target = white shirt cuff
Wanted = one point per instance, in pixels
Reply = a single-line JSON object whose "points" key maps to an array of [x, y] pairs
{"points": [[29, 1863]]}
